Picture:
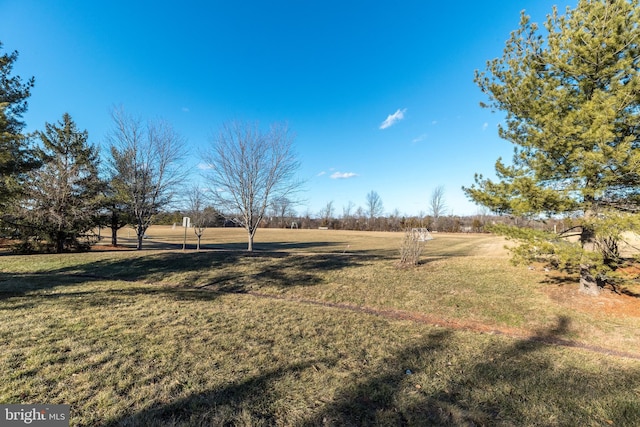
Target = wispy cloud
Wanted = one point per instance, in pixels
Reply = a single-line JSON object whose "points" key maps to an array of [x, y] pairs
{"points": [[185, 109], [393, 118], [485, 126], [204, 166], [419, 138], [322, 173], [343, 175]]}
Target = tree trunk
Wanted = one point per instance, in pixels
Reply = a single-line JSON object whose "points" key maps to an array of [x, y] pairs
{"points": [[59, 244], [250, 244], [114, 229], [140, 235], [589, 285], [141, 230], [114, 236]]}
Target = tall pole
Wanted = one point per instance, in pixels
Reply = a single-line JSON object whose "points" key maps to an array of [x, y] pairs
{"points": [[184, 242]]}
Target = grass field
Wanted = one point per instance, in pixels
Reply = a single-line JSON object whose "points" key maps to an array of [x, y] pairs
{"points": [[314, 328]]}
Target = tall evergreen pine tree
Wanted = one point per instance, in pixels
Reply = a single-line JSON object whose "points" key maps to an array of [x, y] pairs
{"points": [[63, 195], [15, 156], [571, 94]]}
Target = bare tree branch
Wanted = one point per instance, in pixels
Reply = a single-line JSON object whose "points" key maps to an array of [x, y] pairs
{"points": [[146, 166], [250, 169]]}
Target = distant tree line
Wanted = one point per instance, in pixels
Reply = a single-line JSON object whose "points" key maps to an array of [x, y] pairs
{"points": [[58, 192], [393, 222]]}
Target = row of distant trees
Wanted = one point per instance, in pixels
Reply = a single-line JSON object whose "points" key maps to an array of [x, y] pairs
{"points": [[282, 213], [58, 189], [374, 210], [356, 221], [390, 222], [481, 222], [371, 216]]}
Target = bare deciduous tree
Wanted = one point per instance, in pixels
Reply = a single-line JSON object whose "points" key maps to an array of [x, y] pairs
{"points": [[374, 206], [347, 210], [282, 208], [348, 220], [437, 204], [198, 212], [326, 213], [145, 165], [250, 169]]}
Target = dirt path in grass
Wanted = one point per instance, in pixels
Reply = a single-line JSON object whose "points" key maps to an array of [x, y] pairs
{"points": [[610, 304], [542, 337]]}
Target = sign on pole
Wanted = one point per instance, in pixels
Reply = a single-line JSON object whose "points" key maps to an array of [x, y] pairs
{"points": [[186, 222]]}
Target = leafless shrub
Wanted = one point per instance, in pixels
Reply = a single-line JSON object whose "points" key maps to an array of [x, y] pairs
{"points": [[410, 249]]}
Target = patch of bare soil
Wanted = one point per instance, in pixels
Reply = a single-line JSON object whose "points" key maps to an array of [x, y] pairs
{"points": [[621, 303]]}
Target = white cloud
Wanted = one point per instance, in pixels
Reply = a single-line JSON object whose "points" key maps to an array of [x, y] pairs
{"points": [[343, 175], [393, 118], [485, 126], [322, 173], [419, 138], [204, 166]]}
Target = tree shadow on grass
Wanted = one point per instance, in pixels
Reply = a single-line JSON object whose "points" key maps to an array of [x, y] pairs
{"points": [[218, 271], [223, 406], [151, 244], [371, 401], [573, 281], [513, 384], [628, 292], [561, 280]]}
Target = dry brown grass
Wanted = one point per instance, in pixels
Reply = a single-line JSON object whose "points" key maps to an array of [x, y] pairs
{"points": [[305, 332]]}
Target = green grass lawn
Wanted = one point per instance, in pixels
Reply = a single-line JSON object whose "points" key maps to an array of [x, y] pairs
{"points": [[289, 335]]}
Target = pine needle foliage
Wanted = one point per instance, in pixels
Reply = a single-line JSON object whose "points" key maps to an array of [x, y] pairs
{"points": [[62, 198], [571, 94]]}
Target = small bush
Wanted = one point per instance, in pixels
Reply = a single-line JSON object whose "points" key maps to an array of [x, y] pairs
{"points": [[410, 249]]}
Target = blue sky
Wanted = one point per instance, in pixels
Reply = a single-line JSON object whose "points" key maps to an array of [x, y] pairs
{"points": [[380, 95]]}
